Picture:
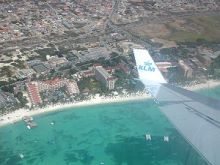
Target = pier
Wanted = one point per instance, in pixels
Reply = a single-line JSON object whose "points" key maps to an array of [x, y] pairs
{"points": [[29, 122]]}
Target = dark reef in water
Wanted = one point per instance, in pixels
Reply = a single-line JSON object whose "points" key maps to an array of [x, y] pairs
{"points": [[78, 155], [138, 151]]}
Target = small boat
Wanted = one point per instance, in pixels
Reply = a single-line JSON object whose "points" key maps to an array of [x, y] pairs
{"points": [[52, 123], [102, 163], [21, 156], [29, 127], [148, 137], [166, 138]]}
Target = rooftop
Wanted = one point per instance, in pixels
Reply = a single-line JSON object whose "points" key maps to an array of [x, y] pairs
{"points": [[103, 72]]}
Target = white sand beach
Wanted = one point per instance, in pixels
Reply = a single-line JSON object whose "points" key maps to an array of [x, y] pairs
{"points": [[18, 114], [206, 85]]}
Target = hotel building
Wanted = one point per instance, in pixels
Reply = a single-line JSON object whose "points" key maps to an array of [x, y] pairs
{"points": [[102, 75], [34, 88]]}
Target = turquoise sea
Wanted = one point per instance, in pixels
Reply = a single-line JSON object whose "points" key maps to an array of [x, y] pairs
{"points": [[110, 134]]}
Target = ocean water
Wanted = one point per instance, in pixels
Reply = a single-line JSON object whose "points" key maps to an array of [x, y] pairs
{"points": [[110, 134]]}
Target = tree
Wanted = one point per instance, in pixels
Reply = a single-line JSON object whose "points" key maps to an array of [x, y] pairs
{"points": [[8, 88], [21, 98]]}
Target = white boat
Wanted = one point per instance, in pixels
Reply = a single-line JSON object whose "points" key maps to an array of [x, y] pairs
{"points": [[166, 138], [29, 127], [148, 137], [21, 156]]}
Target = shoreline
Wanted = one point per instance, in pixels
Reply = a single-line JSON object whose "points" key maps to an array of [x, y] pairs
{"points": [[17, 115], [207, 85]]}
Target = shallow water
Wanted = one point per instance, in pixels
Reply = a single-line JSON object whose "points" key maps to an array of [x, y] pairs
{"points": [[110, 134]]}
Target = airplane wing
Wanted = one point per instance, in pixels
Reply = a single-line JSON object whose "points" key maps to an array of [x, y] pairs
{"points": [[196, 117]]}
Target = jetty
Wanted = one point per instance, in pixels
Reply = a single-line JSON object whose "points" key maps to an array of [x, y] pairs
{"points": [[29, 122]]}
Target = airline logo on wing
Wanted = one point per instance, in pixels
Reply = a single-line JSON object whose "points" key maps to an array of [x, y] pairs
{"points": [[147, 69], [148, 66]]}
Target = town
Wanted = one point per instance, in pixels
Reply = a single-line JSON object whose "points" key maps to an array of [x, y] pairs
{"points": [[58, 51]]}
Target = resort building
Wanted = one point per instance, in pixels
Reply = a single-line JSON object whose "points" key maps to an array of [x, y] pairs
{"points": [[72, 88], [34, 93], [51, 84], [164, 66], [34, 88], [7, 99], [206, 60], [187, 70], [55, 61], [102, 75], [88, 73]]}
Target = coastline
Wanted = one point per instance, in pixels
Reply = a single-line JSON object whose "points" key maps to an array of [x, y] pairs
{"points": [[207, 85], [17, 115]]}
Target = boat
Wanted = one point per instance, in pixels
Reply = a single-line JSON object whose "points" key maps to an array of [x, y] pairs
{"points": [[21, 156], [166, 138], [148, 137], [29, 127]]}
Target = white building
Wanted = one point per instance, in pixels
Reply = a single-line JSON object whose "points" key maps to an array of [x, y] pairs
{"points": [[102, 75]]}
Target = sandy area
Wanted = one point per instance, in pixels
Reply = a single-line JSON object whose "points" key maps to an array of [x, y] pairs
{"points": [[207, 85], [17, 115]]}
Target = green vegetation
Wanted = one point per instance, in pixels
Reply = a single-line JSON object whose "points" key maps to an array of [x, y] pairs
{"points": [[18, 64], [7, 61], [71, 57], [51, 45], [3, 83], [215, 68], [92, 85], [2, 16], [217, 73], [120, 74], [71, 33], [176, 75], [65, 67], [23, 101], [63, 50], [79, 48], [176, 53], [44, 52], [216, 63], [127, 82], [8, 88], [8, 54], [196, 28], [73, 71], [113, 61], [79, 25], [85, 65], [6, 71], [51, 51]]}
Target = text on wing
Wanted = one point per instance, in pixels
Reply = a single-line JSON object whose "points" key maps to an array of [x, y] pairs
{"points": [[148, 66]]}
